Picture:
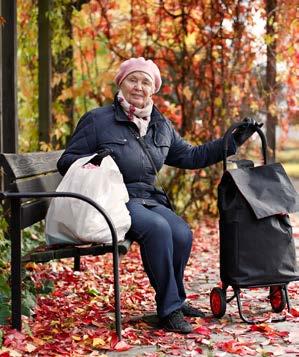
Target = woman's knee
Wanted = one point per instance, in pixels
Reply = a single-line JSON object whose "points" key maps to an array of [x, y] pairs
{"points": [[159, 227], [182, 235], [147, 223], [154, 228]]}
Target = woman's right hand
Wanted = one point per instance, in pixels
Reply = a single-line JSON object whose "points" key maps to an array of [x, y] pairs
{"points": [[97, 159]]}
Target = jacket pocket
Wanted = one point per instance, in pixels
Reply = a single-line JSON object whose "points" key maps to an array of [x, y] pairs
{"points": [[114, 141], [116, 146], [162, 139]]}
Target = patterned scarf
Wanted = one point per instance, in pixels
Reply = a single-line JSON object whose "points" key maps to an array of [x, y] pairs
{"points": [[140, 116]]}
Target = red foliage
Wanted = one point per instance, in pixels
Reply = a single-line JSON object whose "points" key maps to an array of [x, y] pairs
{"points": [[77, 318]]}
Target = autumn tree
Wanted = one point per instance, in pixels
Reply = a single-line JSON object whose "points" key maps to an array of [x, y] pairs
{"points": [[271, 8], [284, 21], [63, 67], [211, 61], [204, 52]]}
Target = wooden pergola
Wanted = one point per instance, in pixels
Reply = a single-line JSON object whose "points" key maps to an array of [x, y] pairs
{"points": [[8, 74], [8, 86]]}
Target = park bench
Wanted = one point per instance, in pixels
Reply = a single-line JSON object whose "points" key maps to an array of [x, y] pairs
{"points": [[30, 181]]}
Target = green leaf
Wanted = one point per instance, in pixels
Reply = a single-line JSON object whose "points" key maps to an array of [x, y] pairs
{"points": [[1, 337], [47, 287], [27, 329], [4, 315], [93, 292], [29, 302], [4, 286]]}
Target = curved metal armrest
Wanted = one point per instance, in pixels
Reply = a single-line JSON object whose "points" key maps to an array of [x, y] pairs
{"points": [[19, 195]]}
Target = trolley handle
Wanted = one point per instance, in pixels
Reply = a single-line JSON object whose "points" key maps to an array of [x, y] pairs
{"points": [[228, 134]]}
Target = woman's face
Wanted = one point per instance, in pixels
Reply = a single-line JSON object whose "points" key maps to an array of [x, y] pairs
{"points": [[137, 88]]}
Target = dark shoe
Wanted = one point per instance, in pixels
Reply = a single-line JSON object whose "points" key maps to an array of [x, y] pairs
{"points": [[175, 322], [191, 311]]}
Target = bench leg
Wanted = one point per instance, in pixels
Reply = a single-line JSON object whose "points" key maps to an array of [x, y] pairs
{"points": [[16, 292], [116, 293], [77, 263]]}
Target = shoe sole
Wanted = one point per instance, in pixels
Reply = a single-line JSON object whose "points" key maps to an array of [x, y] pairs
{"points": [[187, 315], [176, 331]]}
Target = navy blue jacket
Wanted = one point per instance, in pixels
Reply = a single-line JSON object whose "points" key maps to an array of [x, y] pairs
{"points": [[108, 127]]}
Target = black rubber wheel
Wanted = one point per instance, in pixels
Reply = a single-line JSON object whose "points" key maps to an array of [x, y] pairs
{"points": [[218, 302], [277, 298]]}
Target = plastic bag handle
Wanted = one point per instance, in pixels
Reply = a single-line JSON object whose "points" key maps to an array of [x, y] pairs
{"points": [[228, 134]]}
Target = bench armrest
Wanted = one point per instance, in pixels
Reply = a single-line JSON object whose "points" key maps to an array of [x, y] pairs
{"points": [[19, 195]]}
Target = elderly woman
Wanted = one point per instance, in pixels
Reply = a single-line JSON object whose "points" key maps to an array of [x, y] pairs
{"points": [[165, 239]]}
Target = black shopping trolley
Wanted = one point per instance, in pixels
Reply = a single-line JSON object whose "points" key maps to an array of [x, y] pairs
{"points": [[256, 242]]}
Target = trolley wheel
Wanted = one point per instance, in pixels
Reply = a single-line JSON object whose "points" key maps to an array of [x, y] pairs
{"points": [[218, 302], [277, 298]]}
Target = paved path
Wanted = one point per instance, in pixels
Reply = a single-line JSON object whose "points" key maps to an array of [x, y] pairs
{"points": [[295, 183], [231, 325], [233, 321]]}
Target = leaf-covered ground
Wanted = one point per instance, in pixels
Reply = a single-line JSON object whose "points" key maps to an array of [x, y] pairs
{"points": [[76, 319]]}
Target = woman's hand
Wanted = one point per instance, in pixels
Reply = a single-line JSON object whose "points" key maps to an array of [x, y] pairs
{"points": [[96, 160], [244, 132]]}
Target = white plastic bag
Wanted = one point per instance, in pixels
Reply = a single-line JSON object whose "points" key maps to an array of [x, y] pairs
{"points": [[70, 220]]}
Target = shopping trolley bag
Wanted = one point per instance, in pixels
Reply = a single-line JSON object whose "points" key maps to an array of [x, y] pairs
{"points": [[256, 243]]}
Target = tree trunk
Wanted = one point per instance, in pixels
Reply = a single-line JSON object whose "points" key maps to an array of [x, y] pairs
{"points": [[64, 64], [271, 6], [44, 71], [9, 133]]}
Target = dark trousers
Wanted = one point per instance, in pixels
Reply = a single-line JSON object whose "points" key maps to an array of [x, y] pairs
{"points": [[165, 241]]}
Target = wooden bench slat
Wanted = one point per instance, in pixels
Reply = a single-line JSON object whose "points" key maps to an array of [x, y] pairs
{"points": [[47, 253], [34, 212], [41, 183], [25, 165]]}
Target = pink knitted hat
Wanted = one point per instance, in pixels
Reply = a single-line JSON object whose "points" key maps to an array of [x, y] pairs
{"points": [[141, 65]]}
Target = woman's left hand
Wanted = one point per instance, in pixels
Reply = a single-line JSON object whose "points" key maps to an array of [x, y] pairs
{"points": [[245, 131]]}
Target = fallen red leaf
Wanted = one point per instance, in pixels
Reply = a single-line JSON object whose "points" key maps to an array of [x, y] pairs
{"points": [[73, 322], [235, 347], [193, 296], [14, 339], [122, 346], [114, 340], [261, 328], [198, 350], [159, 333], [294, 312], [202, 330], [268, 330]]}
